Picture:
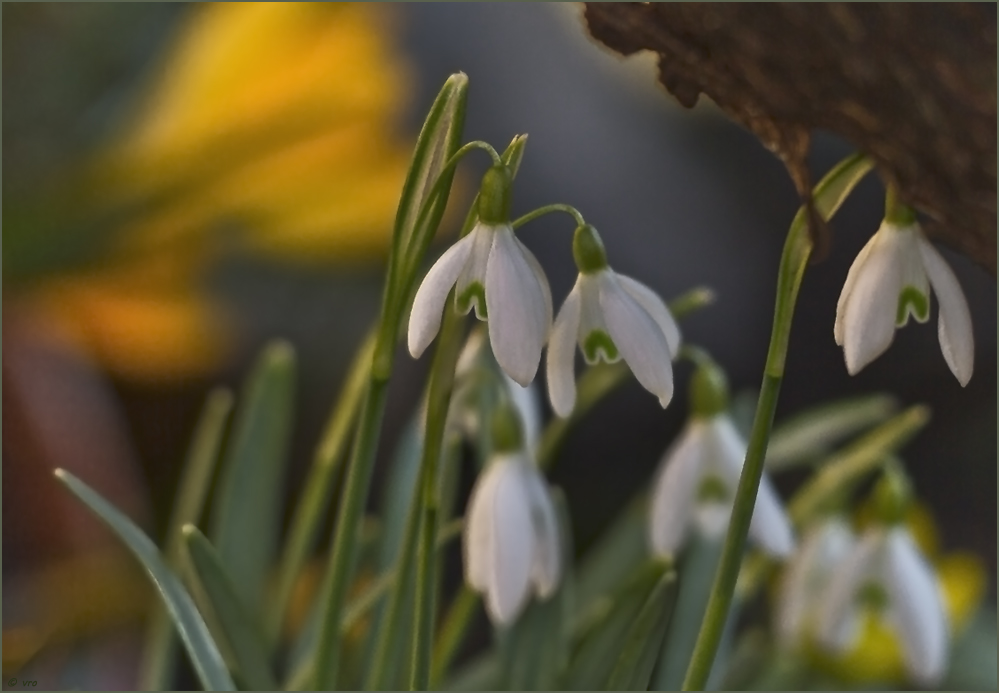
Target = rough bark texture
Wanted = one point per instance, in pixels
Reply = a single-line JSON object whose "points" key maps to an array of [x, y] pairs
{"points": [[912, 85]]}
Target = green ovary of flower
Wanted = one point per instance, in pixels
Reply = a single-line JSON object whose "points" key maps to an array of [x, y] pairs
{"points": [[914, 302], [873, 596], [599, 342], [713, 489], [474, 294]]}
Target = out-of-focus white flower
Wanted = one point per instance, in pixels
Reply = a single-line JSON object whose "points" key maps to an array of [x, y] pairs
{"points": [[807, 576], [511, 540], [887, 569], [496, 274], [696, 484], [475, 369], [610, 316], [891, 280]]}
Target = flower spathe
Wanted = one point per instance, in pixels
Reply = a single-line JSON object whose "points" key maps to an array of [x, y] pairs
{"points": [[886, 566], [511, 538], [891, 280], [496, 274], [695, 487], [611, 316]]}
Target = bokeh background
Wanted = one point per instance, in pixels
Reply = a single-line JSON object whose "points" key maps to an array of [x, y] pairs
{"points": [[185, 182]]}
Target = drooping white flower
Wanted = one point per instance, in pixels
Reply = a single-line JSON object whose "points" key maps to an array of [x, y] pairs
{"points": [[511, 539], [887, 568], [806, 577], [695, 487], [891, 280], [610, 316], [476, 365], [496, 274]]}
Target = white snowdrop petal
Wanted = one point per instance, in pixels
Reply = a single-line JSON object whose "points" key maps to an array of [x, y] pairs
{"points": [[518, 313], [916, 607], [428, 305], [474, 271], [837, 615], [851, 280], [657, 310], [869, 311], [674, 490], [514, 546], [542, 278], [478, 547], [711, 518], [525, 401], [547, 566], [957, 340], [770, 527], [637, 336], [807, 575], [561, 356]]}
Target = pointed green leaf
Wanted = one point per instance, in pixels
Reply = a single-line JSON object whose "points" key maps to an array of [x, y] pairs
{"points": [[848, 466], [600, 649], [694, 579], [237, 628], [198, 642], [247, 515], [318, 486], [160, 644], [644, 639], [814, 431]]}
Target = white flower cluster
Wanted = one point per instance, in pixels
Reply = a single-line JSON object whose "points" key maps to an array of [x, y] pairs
{"points": [[512, 544]]}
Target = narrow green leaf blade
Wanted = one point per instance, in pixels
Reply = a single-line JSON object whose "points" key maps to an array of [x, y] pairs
{"points": [[247, 516], [814, 431], [644, 640], [198, 642], [318, 487], [600, 648], [160, 643], [238, 630]]}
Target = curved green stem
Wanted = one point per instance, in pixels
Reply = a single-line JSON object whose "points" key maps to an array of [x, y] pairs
{"points": [[438, 398], [827, 197], [548, 209]]}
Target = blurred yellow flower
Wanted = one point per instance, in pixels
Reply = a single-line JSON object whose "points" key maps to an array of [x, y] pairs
{"points": [[276, 122]]}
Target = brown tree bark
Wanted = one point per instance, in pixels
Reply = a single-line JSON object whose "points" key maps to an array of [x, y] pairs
{"points": [[912, 85]]}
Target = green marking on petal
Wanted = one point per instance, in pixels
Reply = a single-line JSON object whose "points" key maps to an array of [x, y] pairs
{"points": [[873, 595], [713, 489], [913, 302], [599, 344], [474, 294]]}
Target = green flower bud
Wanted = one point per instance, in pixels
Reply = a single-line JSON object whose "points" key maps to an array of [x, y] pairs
{"points": [[897, 213], [494, 196], [507, 430], [588, 250], [708, 390], [892, 496]]}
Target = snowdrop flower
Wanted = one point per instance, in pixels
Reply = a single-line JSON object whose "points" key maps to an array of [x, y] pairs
{"points": [[807, 576], [698, 476], [610, 317], [887, 569], [889, 281], [476, 368], [511, 539], [496, 274]]}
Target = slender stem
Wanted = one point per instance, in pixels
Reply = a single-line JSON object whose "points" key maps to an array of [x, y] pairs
{"points": [[827, 196], [548, 209], [344, 554], [459, 616], [310, 509], [438, 398]]}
